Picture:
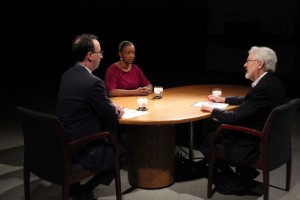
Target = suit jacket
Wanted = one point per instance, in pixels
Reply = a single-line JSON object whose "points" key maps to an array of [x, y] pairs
{"points": [[255, 106], [82, 103]]}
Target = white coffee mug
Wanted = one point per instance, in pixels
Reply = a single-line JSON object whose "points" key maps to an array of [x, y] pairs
{"points": [[158, 92], [142, 102], [217, 92]]}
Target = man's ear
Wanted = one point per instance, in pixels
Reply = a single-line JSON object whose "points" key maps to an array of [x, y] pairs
{"points": [[261, 64], [89, 56]]}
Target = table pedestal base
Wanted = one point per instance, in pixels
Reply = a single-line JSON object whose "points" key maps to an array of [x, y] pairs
{"points": [[153, 162]]}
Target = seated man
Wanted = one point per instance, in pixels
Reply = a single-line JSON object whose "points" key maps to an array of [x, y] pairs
{"points": [[267, 92], [84, 108]]}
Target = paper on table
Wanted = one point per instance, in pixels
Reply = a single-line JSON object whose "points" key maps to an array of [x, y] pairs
{"points": [[215, 105], [130, 113]]}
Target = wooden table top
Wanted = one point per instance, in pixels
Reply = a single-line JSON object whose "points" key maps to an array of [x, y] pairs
{"points": [[176, 105]]}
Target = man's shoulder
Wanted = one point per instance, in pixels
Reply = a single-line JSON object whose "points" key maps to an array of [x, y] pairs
{"points": [[270, 79], [75, 69], [270, 75]]}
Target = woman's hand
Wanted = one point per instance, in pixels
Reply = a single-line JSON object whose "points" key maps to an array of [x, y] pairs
{"points": [[142, 91]]}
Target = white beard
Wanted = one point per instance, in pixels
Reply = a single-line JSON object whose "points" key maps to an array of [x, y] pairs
{"points": [[247, 75]]}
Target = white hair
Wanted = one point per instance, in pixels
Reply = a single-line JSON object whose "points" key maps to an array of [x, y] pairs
{"points": [[267, 55]]}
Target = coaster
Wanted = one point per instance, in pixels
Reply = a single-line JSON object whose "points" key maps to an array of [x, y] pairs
{"points": [[142, 109], [157, 97]]}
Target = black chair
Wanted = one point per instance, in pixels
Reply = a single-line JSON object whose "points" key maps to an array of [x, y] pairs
{"points": [[47, 152], [275, 145]]}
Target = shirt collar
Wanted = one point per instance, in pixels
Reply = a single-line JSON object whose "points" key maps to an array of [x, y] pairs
{"points": [[257, 80]]}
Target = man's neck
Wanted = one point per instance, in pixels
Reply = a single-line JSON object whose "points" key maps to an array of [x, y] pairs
{"points": [[83, 65]]}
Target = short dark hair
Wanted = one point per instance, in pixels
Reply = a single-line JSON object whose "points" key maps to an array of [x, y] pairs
{"points": [[124, 44], [81, 45]]}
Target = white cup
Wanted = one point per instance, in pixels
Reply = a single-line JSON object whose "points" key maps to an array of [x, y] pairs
{"points": [[217, 92], [158, 92], [142, 102]]}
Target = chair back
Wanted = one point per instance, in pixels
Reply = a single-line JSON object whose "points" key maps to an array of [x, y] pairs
{"points": [[277, 133], [44, 142]]}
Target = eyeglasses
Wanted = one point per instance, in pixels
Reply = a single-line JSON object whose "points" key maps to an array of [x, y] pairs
{"points": [[247, 61], [101, 52]]}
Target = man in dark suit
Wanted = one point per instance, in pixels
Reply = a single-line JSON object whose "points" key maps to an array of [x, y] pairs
{"points": [[267, 92], [84, 108]]}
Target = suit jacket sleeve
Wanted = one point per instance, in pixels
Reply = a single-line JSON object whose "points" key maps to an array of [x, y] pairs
{"points": [[256, 102], [101, 104], [255, 106]]}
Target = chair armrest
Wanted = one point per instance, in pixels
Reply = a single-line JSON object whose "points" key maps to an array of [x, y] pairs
{"points": [[243, 129], [90, 138]]}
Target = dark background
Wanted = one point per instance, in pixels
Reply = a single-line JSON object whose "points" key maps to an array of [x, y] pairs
{"points": [[177, 42]]}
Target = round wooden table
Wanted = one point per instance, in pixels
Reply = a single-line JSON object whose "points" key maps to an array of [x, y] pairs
{"points": [[153, 135]]}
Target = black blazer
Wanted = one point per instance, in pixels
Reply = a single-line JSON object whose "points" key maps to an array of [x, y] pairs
{"points": [[82, 103], [255, 106]]}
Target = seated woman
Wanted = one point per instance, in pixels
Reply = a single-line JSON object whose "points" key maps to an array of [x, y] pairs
{"points": [[124, 78]]}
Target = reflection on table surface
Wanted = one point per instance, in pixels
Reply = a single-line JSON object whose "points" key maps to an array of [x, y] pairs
{"points": [[176, 104]]}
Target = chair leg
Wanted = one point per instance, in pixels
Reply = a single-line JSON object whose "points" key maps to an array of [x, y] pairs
{"points": [[266, 173], [26, 179], [117, 178], [65, 191], [210, 177], [288, 174]]}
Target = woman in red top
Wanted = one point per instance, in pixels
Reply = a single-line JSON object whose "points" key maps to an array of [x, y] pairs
{"points": [[124, 78]]}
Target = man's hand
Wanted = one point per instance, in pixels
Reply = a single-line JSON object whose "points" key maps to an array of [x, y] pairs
{"points": [[120, 110], [212, 98], [206, 108]]}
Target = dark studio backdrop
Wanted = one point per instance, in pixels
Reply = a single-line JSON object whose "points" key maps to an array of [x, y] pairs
{"points": [[177, 42]]}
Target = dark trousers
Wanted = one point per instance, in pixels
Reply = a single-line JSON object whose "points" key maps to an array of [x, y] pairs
{"points": [[242, 172], [105, 176]]}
